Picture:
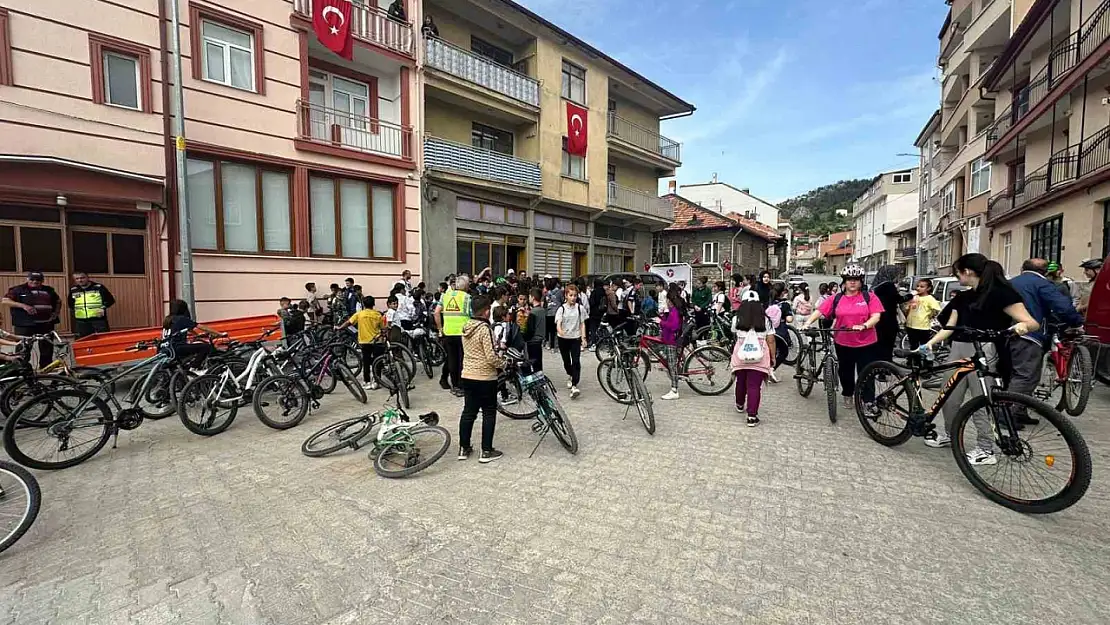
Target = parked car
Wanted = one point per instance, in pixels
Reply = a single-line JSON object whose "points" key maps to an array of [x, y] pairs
{"points": [[945, 288]]}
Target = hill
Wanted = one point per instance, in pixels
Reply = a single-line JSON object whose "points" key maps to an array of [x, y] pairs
{"points": [[815, 211]]}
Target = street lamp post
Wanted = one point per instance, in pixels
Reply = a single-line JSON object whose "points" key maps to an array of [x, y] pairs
{"points": [[177, 103]]}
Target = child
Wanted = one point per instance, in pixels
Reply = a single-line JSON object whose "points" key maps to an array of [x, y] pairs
{"points": [[670, 333], [479, 382], [570, 325], [923, 308], [535, 330], [292, 317], [780, 299], [369, 323], [720, 300], [802, 306], [751, 375], [651, 307], [391, 304]]}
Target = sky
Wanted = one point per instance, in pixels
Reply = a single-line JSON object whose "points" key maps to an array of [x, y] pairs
{"points": [[790, 94]]}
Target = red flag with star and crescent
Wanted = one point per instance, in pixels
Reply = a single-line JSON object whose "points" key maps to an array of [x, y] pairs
{"points": [[576, 129], [331, 19]]}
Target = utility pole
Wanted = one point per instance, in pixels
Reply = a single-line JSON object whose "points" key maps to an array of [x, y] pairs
{"points": [[178, 109]]}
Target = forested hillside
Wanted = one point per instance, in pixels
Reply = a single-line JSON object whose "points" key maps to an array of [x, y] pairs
{"points": [[815, 211]]}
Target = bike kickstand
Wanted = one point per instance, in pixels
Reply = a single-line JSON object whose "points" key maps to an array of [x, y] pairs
{"points": [[626, 409], [539, 442]]}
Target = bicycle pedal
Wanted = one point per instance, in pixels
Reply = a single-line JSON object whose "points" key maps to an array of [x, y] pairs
{"points": [[537, 427]]}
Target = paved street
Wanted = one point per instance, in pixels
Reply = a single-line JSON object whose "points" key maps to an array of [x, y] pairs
{"points": [[706, 522]]}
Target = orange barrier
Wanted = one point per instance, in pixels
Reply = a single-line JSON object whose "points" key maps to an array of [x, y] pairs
{"points": [[110, 348]]}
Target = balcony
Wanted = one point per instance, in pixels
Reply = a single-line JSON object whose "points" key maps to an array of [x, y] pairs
{"points": [[639, 202], [644, 142], [478, 71], [905, 253], [372, 25], [468, 161], [333, 129]]}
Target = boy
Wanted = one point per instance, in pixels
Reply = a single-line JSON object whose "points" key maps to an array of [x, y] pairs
{"points": [[292, 318], [391, 304], [479, 382], [369, 323], [536, 330], [651, 309]]}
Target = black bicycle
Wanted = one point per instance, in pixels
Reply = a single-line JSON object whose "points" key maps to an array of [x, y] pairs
{"points": [[817, 363], [1050, 458], [19, 502], [622, 378]]}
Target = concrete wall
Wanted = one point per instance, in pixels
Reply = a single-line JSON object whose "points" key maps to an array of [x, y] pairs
{"points": [[724, 199], [636, 177], [635, 113]]}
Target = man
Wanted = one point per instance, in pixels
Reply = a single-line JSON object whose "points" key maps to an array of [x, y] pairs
{"points": [[1056, 275], [452, 314], [1090, 271], [351, 299], [406, 279], [337, 305], [1045, 302], [701, 298], [34, 309], [89, 302], [292, 317], [406, 308]]}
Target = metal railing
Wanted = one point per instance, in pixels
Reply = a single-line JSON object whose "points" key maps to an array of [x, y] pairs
{"points": [[481, 71], [640, 202], [467, 160], [644, 138], [371, 24], [905, 252], [327, 126], [952, 38]]}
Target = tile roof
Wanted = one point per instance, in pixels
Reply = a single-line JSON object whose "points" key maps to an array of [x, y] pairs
{"points": [[686, 212]]}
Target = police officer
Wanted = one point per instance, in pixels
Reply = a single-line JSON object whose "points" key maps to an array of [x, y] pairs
{"points": [[89, 302], [452, 313], [34, 310]]}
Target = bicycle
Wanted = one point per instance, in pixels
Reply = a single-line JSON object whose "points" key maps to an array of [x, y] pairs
{"points": [[20, 499], [396, 367], [623, 382], [1028, 447], [425, 346], [1068, 373], [549, 415], [698, 365], [298, 392], [18, 377], [808, 372], [398, 447]]}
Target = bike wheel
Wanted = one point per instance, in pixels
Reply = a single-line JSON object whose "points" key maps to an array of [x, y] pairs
{"points": [[21, 390], [612, 380], [606, 347], [803, 375], [19, 502], [887, 420], [336, 436], [436, 354], [328, 381], [281, 402], [829, 375], [708, 370], [403, 384], [559, 423], [1077, 388], [794, 349], [208, 404], [418, 448], [351, 356], [1051, 459], [426, 360], [65, 437], [159, 400], [642, 399], [512, 401], [351, 382]]}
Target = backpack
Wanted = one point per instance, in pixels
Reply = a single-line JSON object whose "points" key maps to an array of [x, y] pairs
{"points": [[734, 297], [840, 295], [750, 350]]}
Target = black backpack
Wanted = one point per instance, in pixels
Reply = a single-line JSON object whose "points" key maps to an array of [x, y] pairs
{"points": [[839, 295]]}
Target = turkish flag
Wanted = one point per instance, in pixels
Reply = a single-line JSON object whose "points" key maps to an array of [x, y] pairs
{"points": [[331, 19], [576, 129]]}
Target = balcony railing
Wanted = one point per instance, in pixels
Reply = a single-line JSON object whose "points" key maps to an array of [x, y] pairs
{"points": [[371, 24], [640, 202], [905, 252], [326, 126], [644, 138], [481, 71], [467, 160]]}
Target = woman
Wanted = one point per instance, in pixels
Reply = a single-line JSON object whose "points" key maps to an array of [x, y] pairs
{"points": [[671, 333], [990, 303], [855, 313], [763, 287], [885, 287], [923, 308]]}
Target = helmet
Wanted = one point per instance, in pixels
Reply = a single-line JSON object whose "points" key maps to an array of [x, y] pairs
{"points": [[1093, 263], [853, 272], [1053, 266]]}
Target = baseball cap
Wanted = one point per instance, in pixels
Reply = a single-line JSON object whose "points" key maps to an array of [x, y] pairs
{"points": [[510, 272], [1054, 266], [34, 275]]}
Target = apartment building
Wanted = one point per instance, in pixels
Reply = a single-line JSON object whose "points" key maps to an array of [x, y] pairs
{"points": [[1050, 141], [891, 200], [901, 245], [717, 245], [836, 251], [501, 187]]}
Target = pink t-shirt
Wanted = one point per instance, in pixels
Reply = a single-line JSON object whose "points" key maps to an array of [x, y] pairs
{"points": [[853, 311]]}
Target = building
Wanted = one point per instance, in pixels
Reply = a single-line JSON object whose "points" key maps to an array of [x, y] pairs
{"points": [[901, 242], [836, 252], [804, 255], [1050, 140], [892, 199], [928, 206], [717, 245], [501, 188], [725, 198]]}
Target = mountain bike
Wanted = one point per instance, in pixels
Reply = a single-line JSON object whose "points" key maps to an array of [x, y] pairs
{"points": [[718, 332], [301, 390], [817, 363], [425, 346], [623, 381], [19, 380], [20, 498], [707, 369], [1068, 373], [1050, 458], [396, 367], [550, 415]]}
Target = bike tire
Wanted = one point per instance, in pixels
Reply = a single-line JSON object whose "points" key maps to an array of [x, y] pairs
{"points": [[803, 377], [426, 360], [874, 370], [337, 436], [606, 370], [402, 386], [18, 392], [15, 421], [292, 397], [379, 455], [642, 398], [1081, 373], [709, 358], [794, 350], [509, 386], [349, 380], [436, 354], [161, 395], [559, 423], [328, 381], [30, 510], [606, 347], [829, 375], [351, 356], [1081, 454], [199, 410]]}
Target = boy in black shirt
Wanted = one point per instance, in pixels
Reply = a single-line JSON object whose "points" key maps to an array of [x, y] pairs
{"points": [[536, 330]]}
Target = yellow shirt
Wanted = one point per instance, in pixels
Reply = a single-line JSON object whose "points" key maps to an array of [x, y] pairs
{"points": [[922, 311], [369, 324]]}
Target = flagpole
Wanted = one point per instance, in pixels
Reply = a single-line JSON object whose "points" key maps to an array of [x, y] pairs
{"points": [[177, 106]]}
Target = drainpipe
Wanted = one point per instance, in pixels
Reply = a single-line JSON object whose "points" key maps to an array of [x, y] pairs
{"points": [[168, 187], [178, 100], [732, 249]]}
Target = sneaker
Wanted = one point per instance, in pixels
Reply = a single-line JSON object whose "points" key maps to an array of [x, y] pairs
{"points": [[370, 386], [979, 457], [574, 392], [489, 456], [464, 453], [774, 378], [935, 441], [753, 421], [740, 409], [849, 402], [457, 392], [673, 394], [570, 385], [443, 384]]}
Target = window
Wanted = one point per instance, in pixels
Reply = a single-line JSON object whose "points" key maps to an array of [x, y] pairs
{"points": [[5, 49], [948, 200], [226, 49], [342, 110], [902, 177], [574, 83], [1046, 240], [7, 249], [41, 249], [494, 53], [489, 138], [611, 173], [365, 210], [478, 211], [574, 166], [1007, 249], [709, 252], [560, 224], [672, 254], [612, 105], [544, 222], [237, 207], [980, 176], [120, 73], [108, 253]]}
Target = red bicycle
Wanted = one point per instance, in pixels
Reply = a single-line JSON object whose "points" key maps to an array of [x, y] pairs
{"points": [[1068, 374], [707, 370]]}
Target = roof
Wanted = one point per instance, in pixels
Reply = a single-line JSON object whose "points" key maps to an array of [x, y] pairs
{"points": [[909, 225], [930, 126], [1036, 15], [686, 211], [725, 184], [841, 251]]}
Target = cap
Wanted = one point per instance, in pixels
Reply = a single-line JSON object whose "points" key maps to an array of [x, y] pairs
{"points": [[750, 296], [34, 275], [1053, 266], [510, 272]]}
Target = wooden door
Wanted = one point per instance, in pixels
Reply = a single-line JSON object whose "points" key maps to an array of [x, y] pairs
{"points": [[116, 258]]}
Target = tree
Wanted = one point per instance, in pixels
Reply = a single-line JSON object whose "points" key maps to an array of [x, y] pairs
{"points": [[819, 265]]}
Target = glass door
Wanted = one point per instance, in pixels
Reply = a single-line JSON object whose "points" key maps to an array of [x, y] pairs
{"points": [[319, 126]]}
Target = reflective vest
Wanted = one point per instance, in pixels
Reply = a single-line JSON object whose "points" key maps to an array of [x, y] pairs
{"points": [[88, 304], [456, 312]]}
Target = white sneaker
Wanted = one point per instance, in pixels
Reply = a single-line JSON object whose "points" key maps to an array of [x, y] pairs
{"points": [[570, 385], [673, 394], [774, 378], [370, 386], [574, 392], [938, 441], [979, 457]]}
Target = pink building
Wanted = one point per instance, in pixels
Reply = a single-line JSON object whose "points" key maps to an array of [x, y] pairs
{"points": [[286, 140]]}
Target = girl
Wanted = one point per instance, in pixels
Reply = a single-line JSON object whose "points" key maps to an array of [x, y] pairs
{"points": [[923, 308], [763, 287], [802, 306], [736, 291], [780, 297], [176, 327], [720, 302], [990, 304], [751, 376], [570, 325], [670, 332]]}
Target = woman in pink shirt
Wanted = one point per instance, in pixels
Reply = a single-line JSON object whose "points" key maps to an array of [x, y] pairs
{"points": [[858, 311]]}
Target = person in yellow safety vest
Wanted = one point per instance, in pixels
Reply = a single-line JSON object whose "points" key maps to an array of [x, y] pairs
{"points": [[89, 302], [452, 313]]}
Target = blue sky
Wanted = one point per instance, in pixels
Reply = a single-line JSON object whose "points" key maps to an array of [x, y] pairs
{"points": [[791, 94]]}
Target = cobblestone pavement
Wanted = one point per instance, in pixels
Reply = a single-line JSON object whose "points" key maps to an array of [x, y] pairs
{"points": [[796, 521]]}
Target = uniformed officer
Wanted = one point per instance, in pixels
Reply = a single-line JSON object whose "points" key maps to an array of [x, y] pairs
{"points": [[89, 302]]}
